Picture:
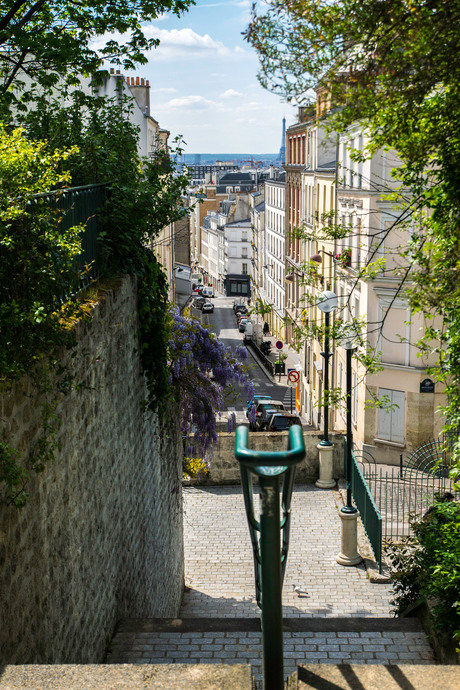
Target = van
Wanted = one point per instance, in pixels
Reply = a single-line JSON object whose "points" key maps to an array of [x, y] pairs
{"points": [[208, 291]]}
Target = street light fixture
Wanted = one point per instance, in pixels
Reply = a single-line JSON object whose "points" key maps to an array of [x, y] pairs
{"points": [[349, 513], [327, 302]]}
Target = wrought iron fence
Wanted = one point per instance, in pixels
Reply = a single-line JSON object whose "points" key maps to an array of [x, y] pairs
{"points": [[76, 206], [369, 512], [80, 206], [401, 496]]}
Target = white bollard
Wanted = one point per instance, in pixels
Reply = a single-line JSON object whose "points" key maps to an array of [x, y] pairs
{"points": [[326, 478], [349, 554]]}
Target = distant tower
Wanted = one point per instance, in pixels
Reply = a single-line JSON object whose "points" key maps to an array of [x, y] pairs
{"points": [[282, 154]]}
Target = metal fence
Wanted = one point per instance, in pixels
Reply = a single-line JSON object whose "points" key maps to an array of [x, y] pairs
{"points": [[403, 495], [369, 512], [80, 206], [77, 206]]}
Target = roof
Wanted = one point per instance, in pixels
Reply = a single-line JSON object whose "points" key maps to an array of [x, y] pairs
{"points": [[260, 207], [243, 223], [235, 176]]}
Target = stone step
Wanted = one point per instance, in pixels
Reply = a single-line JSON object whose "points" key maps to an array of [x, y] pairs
{"points": [[362, 677], [127, 677], [304, 624], [239, 640]]}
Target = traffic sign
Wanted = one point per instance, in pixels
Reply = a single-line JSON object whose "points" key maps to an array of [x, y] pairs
{"points": [[279, 344], [293, 376]]}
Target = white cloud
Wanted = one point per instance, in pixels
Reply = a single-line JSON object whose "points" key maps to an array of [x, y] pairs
{"points": [[184, 43], [230, 93], [190, 102]]}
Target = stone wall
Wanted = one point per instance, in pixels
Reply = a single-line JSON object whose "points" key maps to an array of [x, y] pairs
{"points": [[101, 537], [225, 468]]}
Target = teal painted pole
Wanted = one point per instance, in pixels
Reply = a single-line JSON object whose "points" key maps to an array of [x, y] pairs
{"points": [[269, 467], [272, 616]]}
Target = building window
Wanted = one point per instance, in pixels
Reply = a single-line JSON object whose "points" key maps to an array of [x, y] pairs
{"points": [[390, 426], [244, 253], [245, 268]]}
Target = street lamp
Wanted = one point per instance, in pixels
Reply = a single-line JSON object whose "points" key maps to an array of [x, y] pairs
{"points": [[327, 302], [349, 513]]}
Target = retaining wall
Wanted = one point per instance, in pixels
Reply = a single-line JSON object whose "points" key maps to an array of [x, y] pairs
{"points": [[225, 468], [101, 537]]}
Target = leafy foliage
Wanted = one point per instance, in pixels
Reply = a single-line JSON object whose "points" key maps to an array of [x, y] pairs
{"points": [[428, 566], [37, 257], [45, 41], [202, 375], [147, 190], [388, 66]]}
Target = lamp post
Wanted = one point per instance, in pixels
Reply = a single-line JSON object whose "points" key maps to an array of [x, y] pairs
{"points": [[349, 513], [327, 302]]}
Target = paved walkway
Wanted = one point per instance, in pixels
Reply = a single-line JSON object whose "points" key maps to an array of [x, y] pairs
{"points": [[333, 621]]}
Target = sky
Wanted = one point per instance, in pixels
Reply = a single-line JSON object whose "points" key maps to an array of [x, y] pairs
{"points": [[203, 80]]}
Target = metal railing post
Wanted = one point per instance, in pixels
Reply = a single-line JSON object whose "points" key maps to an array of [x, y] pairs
{"points": [[269, 557]]}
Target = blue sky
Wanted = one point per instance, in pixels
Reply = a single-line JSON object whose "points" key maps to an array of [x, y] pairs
{"points": [[204, 86]]}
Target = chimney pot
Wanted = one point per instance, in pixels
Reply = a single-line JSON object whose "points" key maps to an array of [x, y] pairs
{"points": [[137, 81], [112, 71], [147, 83], [142, 82], [118, 71]]}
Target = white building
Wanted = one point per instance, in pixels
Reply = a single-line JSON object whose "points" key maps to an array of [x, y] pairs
{"points": [[274, 291]]}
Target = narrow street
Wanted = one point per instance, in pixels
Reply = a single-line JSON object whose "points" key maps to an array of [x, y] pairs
{"points": [[223, 323]]}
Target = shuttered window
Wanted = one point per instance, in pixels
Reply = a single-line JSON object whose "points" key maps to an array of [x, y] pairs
{"points": [[391, 421]]}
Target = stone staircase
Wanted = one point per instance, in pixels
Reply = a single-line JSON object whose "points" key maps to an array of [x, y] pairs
{"points": [[340, 623]]}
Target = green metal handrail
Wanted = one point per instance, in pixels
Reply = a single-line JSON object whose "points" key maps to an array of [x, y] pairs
{"points": [[369, 513], [270, 556]]}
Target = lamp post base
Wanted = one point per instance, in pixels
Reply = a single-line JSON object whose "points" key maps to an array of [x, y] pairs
{"points": [[326, 479], [349, 545]]}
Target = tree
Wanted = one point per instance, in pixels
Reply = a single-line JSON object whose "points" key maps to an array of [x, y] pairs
{"points": [[202, 374], [389, 65], [46, 40]]}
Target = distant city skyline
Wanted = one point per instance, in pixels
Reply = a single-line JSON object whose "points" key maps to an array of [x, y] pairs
{"points": [[203, 82]]}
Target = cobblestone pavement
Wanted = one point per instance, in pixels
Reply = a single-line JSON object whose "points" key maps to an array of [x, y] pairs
{"points": [[219, 563], [220, 585], [246, 647]]}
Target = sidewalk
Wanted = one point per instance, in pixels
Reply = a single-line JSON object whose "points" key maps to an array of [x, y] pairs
{"points": [[341, 618]]}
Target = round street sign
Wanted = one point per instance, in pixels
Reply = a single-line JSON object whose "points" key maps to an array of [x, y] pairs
{"points": [[279, 344], [293, 376]]}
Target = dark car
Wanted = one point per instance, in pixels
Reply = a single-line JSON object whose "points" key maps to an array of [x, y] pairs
{"points": [[282, 421], [207, 308], [240, 309], [199, 301], [263, 405], [255, 399]]}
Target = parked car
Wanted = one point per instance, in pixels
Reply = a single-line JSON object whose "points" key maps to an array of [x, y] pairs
{"points": [[240, 308], [282, 421], [242, 325], [263, 405], [241, 316], [207, 308], [199, 301], [264, 417], [255, 399]]}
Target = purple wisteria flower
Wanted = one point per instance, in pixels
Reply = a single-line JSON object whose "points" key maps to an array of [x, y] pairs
{"points": [[202, 372]]}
